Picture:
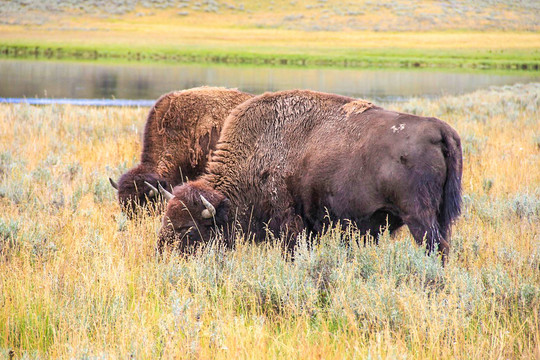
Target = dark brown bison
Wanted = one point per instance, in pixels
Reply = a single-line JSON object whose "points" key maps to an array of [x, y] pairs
{"points": [[295, 160], [181, 131]]}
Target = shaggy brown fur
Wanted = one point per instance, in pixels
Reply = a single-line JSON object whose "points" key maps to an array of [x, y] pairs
{"points": [[286, 160], [181, 131]]}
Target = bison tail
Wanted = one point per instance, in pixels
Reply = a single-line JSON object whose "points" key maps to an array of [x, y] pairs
{"points": [[451, 205]]}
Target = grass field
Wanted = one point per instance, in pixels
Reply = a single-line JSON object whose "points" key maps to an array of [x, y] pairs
{"points": [[78, 280], [306, 15], [499, 34], [496, 50]]}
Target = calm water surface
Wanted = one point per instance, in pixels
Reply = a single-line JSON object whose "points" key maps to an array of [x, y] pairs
{"points": [[23, 78]]}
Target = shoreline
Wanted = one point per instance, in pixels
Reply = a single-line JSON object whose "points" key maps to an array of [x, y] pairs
{"points": [[368, 59], [177, 43]]}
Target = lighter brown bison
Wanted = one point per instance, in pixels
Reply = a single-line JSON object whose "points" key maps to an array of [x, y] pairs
{"points": [[181, 131], [296, 160]]}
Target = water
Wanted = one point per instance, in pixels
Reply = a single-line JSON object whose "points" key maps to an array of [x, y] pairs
{"points": [[80, 102], [50, 79]]}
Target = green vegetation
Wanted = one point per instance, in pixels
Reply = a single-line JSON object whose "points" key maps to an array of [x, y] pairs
{"points": [[498, 34], [79, 280], [385, 57]]}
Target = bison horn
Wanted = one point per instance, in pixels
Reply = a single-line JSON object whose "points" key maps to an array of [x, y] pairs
{"points": [[167, 195], [210, 210], [113, 183], [153, 189]]}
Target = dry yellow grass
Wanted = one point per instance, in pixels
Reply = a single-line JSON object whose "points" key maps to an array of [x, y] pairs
{"points": [[499, 34], [309, 15], [265, 25], [285, 32], [78, 280], [157, 34]]}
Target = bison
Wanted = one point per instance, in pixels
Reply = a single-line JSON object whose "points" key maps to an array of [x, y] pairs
{"points": [[298, 160], [181, 131]]}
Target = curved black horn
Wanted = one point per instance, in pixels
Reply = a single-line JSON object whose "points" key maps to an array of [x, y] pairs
{"points": [[113, 183]]}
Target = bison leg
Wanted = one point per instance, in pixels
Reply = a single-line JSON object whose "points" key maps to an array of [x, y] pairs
{"points": [[430, 234], [379, 221], [291, 226], [382, 219]]}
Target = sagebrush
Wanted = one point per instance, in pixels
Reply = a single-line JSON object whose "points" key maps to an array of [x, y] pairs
{"points": [[80, 280]]}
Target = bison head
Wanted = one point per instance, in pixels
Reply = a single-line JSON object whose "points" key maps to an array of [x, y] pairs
{"points": [[195, 212], [134, 191]]}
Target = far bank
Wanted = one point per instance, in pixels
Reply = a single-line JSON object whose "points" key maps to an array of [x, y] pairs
{"points": [[276, 47]]}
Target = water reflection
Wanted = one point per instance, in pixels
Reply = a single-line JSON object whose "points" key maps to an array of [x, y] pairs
{"points": [[105, 85], [21, 78]]}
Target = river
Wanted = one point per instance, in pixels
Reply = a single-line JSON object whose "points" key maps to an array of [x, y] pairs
{"points": [[86, 80]]}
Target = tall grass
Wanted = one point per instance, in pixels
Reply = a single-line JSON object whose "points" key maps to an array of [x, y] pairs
{"points": [[79, 280]]}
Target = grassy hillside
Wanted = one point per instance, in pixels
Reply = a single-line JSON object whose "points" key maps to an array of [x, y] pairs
{"points": [[501, 34], [79, 280], [308, 15]]}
